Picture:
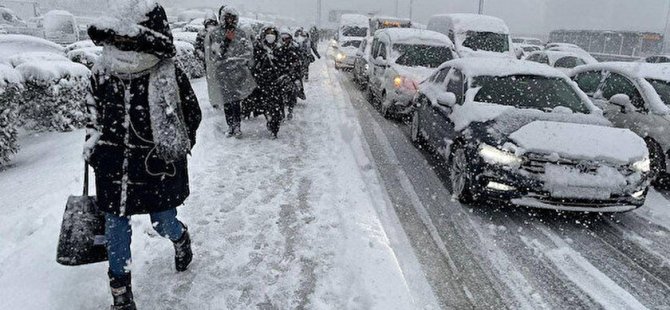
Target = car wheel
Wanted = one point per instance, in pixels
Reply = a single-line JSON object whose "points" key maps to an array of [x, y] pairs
{"points": [[385, 107], [417, 138], [462, 186], [658, 164]]}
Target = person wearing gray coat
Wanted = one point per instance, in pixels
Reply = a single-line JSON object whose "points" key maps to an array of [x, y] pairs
{"points": [[229, 57]]}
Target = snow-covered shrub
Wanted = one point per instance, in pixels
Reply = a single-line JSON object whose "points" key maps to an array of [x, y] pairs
{"points": [[10, 88], [189, 37], [54, 95], [79, 45], [28, 57], [192, 65]]}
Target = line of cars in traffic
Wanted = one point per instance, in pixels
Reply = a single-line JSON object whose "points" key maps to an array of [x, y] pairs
{"points": [[557, 130]]}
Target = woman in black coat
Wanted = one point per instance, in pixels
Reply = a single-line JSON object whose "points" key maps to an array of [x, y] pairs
{"points": [[267, 72], [144, 116]]}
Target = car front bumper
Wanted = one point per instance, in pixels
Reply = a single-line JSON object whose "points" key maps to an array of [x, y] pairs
{"points": [[529, 191]]}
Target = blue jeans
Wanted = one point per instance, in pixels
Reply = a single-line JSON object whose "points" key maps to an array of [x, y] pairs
{"points": [[118, 234]]}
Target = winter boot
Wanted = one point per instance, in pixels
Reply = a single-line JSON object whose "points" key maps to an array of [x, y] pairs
{"points": [[182, 249], [122, 293]]}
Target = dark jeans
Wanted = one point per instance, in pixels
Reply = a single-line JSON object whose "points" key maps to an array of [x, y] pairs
{"points": [[118, 233], [233, 111]]}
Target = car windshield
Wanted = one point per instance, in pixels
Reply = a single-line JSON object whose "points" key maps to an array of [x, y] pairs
{"points": [[529, 92], [487, 41], [355, 44], [412, 55], [354, 31], [662, 88]]}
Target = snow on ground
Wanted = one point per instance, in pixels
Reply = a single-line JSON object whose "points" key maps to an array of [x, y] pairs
{"points": [[279, 224]]}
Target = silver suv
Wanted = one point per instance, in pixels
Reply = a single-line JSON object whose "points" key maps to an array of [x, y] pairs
{"points": [[633, 96]]}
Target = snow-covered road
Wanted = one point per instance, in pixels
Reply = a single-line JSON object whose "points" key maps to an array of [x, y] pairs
{"points": [[300, 222]]}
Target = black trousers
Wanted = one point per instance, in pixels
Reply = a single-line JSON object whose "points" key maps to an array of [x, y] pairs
{"points": [[233, 111]]}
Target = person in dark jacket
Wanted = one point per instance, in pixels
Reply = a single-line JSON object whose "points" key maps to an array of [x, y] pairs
{"points": [[308, 48], [210, 23], [143, 121], [267, 72], [289, 58], [315, 35]]}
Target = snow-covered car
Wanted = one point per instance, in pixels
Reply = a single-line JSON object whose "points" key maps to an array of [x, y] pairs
{"points": [[572, 48], [523, 50], [346, 51], [14, 44], [400, 60], [475, 35], [523, 132], [657, 59], [564, 61], [527, 41], [634, 96], [362, 63], [353, 26], [60, 27]]}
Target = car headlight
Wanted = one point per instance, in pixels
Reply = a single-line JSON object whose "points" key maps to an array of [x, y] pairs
{"points": [[340, 56], [642, 165], [494, 155]]}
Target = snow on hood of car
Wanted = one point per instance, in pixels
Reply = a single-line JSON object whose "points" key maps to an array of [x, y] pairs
{"points": [[512, 120], [417, 74], [14, 44], [580, 142]]}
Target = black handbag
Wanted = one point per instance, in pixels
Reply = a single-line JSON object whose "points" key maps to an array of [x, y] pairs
{"points": [[82, 235]]}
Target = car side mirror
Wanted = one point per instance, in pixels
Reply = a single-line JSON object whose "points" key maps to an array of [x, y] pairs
{"points": [[446, 99], [622, 101]]}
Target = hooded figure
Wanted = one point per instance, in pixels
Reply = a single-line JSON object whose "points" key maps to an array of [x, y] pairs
{"points": [[143, 117], [268, 73], [210, 23], [309, 50], [229, 57], [289, 59]]}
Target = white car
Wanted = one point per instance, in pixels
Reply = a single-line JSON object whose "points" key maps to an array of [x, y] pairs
{"points": [[14, 44], [345, 52], [400, 60], [528, 41], [563, 61], [567, 47], [60, 27], [634, 96], [475, 35]]}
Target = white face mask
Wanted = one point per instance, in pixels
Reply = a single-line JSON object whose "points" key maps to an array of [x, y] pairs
{"points": [[270, 38]]}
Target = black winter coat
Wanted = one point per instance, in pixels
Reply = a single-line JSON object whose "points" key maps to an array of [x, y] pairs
{"points": [[153, 184], [289, 59], [266, 68]]}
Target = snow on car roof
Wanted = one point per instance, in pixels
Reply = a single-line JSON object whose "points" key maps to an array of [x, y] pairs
{"points": [[8, 76], [473, 67], [415, 36], [556, 55], [632, 69], [391, 18], [58, 13], [465, 22], [355, 20], [12, 44], [52, 70]]}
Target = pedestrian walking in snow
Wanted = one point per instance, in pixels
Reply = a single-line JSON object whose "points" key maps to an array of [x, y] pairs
{"points": [[268, 73], [229, 56], [315, 35], [309, 50], [290, 64], [210, 23], [143, 121]]}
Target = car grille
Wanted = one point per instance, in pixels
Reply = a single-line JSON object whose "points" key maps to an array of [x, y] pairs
{"points": [[536, 164]]}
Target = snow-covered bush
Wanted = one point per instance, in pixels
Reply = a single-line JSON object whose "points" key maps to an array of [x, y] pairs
{"points": [[189, 37], [192, 65], [86, 56], [10, 87], [54, 95]]}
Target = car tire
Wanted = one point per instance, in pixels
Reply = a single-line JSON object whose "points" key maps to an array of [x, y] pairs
{"points": [[658, 164], [461, 180], [416, 136]]}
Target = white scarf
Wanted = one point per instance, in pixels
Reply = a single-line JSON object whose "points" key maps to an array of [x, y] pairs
{"points": [[170, 135]]}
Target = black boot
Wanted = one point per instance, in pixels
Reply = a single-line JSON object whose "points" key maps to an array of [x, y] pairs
{"points": [[182, 249], [122, 293]]}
